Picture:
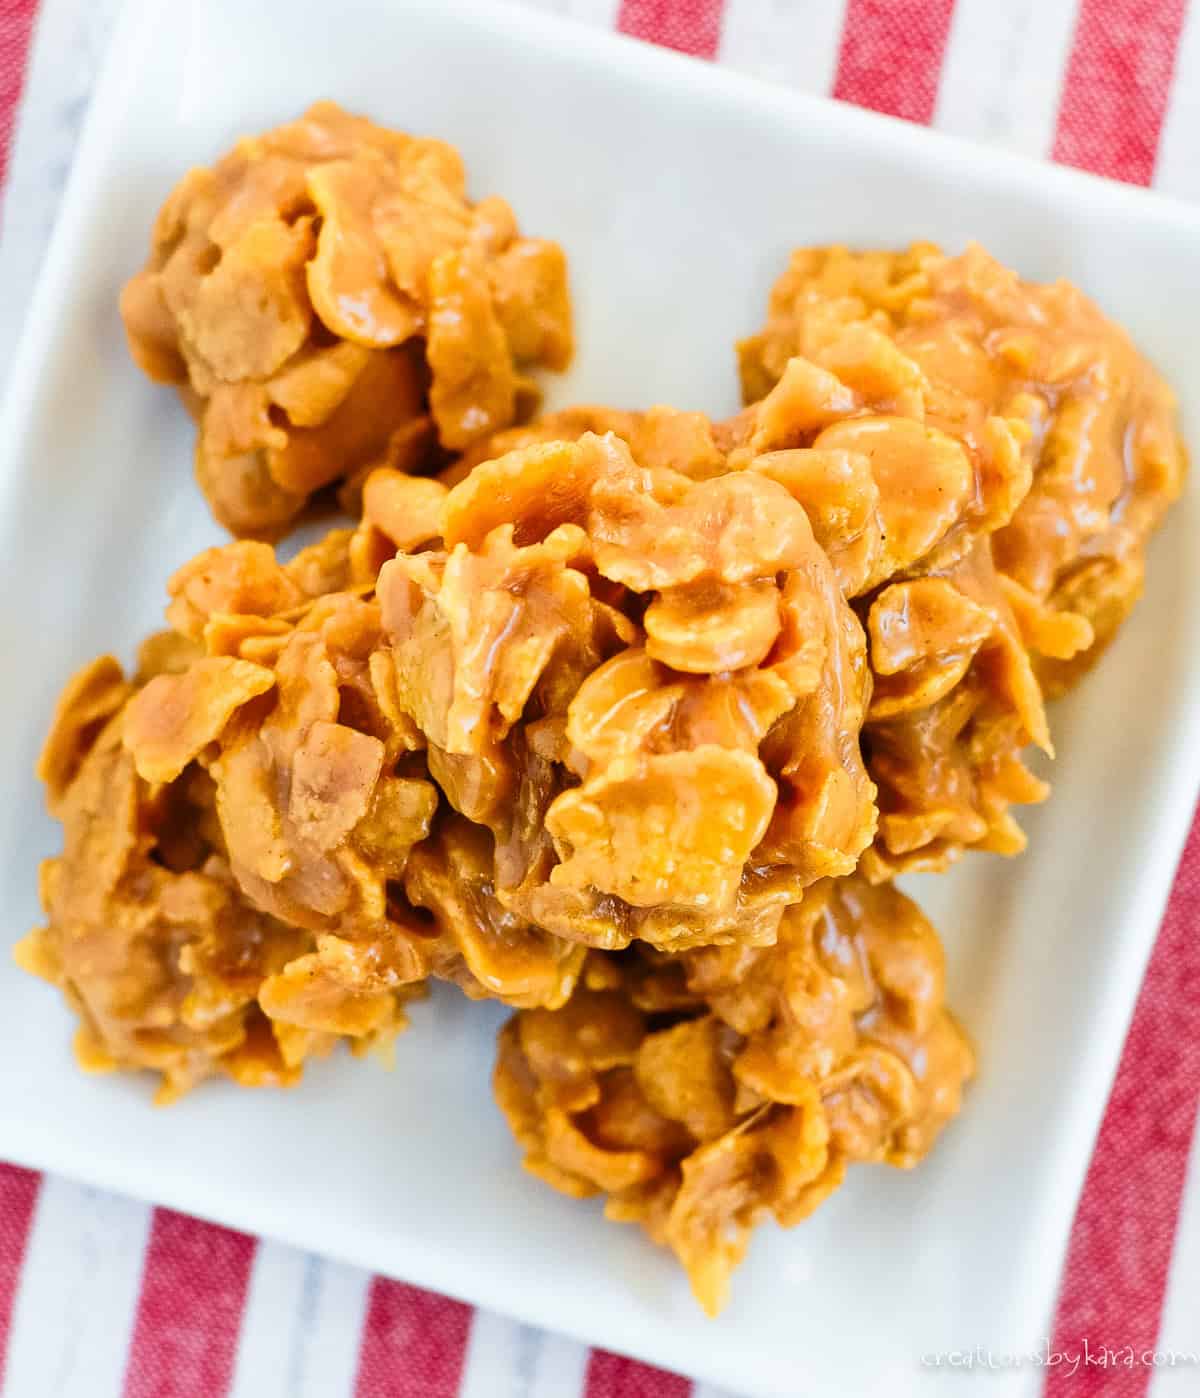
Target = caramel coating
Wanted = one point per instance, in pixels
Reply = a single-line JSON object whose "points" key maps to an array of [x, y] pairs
{"points": [[624, 719], [325, 296], [904, 512], [148, 935], [321, 778], [705, 1091], [1076, 458], [1097, 425], [643, 679], [572, 702], [233, 892]]}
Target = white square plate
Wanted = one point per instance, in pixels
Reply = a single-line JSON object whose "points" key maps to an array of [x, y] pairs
{"points": [[677, 191]]}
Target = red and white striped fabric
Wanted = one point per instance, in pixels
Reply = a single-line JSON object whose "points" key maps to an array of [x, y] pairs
{"points": [[101, 1296]]}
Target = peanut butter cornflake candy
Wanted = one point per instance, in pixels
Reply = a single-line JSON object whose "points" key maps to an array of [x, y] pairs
{"points": [[148, 935], [706, 1092], [326, 296], [576, 701], [902, 510], [1096, 425], [1011, 576], [644, 681], [219, 808]]}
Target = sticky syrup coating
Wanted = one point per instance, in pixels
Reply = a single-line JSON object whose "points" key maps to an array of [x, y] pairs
{"points": [[705, 1092], [325, 296]]}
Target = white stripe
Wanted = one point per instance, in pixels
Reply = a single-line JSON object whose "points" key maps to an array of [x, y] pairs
{"points": [[333, 1305], [1003, 72], [559, 1368], [784, 42], [601, 12], [78, 1294], [1180, 1327], [706, 1390], [498, 1356], [270, 1322], [1177, 170], [301, 1326], [505, 1359]]}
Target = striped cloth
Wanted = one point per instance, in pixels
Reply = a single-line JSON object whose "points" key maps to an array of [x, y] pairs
{"points": [[103, 1296]]}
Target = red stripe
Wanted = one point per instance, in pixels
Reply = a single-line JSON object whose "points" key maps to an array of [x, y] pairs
{"points": [[185, 1333], [1117, 84], [891, 55], [413, 1343], [16, 26], [613, 1376], [691, 26], [18, 1197], [1120, 1254]]}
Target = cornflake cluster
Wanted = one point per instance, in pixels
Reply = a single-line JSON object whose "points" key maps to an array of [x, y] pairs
{"points": [[625, 719], [903, 510], [572, 702], [325, 295], [154, 931], [1097, 425], [1078, 457], [706, 1091], [636, 669]]}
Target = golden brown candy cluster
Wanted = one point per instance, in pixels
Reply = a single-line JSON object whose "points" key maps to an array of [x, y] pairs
{"points": [[167, 963], [903, 511], [1100, 438], [705, 1091], [644, 660], [326, 294], [587, 701], [625, 719], [1090, 461]]}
